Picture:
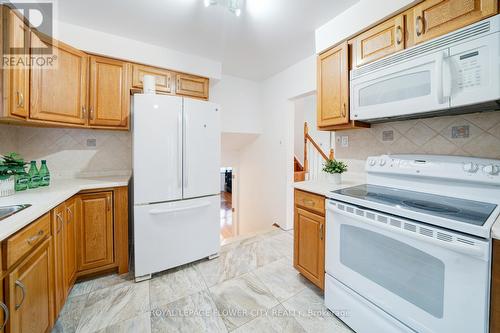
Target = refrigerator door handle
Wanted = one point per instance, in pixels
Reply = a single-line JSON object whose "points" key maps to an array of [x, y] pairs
{"points": [[179, 148], [184, 145], [179, 209]]}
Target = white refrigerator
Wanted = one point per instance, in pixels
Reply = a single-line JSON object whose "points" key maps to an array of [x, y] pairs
{"points": [[176, 163]]}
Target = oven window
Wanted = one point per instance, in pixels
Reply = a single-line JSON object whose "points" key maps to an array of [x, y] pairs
{"points": [[401, 269], [395, 89]]}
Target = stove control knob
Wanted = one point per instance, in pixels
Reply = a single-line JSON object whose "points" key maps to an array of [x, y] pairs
{"points": [[491, 169], [373, 162], [382, 162], [471, 167]]}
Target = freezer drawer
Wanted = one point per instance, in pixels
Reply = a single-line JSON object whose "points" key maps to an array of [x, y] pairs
{"points": [[171, 234]]}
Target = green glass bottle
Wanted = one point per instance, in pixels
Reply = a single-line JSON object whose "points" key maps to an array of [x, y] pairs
{"points": [[34, 175], [44, 174], [22, 179]]}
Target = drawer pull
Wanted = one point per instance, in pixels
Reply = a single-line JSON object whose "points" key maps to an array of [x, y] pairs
{"points": [[308, 202], [23, 292], [5, 316], [33, 239]]}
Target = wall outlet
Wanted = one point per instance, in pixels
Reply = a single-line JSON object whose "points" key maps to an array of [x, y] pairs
{"points": [[344, 141], [91, 142], [460, 132], [388, 136]]}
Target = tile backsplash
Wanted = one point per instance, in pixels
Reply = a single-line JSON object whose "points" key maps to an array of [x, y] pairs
{"points": [[71, 152], [476, 134]]}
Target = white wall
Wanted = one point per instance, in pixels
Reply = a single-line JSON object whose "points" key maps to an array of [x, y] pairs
{"points": [[241, 104], [128, 49], [356, 18], [266, 165]]}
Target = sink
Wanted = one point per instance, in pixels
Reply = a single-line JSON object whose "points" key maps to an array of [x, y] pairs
{"points": [[7, 211]]}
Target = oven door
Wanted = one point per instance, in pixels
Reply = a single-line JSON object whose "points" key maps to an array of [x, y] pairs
{"points": [[428, 278], [415, 86]]}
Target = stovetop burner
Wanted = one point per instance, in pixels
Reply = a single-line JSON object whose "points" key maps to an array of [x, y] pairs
{"points": [[461, 210]]}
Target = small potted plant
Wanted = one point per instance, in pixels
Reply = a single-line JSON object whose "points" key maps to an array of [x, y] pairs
{"points": [[334, 170], [11, 166]]}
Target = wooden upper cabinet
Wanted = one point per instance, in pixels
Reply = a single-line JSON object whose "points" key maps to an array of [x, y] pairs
{"points": [[72, 207], [433, 18], [30, 297], [16, 43], [109, 94], [380, 41], [95, 235], [163, 77], [193, 86], [59, 93], [333, 87]]}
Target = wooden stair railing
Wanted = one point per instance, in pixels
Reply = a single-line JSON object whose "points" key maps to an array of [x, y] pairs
{"points": [[309, 139]]}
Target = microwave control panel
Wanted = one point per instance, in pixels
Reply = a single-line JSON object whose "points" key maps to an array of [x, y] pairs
{"points": [[469, 69]]}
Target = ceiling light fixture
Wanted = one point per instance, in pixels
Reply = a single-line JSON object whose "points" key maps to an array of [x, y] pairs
{"points": [[234, 6]]}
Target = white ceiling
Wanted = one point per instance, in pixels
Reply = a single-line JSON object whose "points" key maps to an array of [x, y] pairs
{"points": [[268, 37]]}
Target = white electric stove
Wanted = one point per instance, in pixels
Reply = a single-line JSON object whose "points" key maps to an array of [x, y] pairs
{"points": [[410, 251]]}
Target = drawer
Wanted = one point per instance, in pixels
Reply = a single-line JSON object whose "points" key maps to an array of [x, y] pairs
{"points": [[312, 202], [18, 245]]}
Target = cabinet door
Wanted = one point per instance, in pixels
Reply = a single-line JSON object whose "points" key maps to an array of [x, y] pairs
{"points": [[17, 75], [4, 310], [163, 77], [380, 41], [69, 236], [309, 246], [59, 92], [433, 18], [95, 238], [58, 230], [193, 86], [333, 87], [109, 95], [30, 293]]}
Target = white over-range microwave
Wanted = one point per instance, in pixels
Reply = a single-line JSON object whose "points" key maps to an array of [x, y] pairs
{"points": [[456, 73]]}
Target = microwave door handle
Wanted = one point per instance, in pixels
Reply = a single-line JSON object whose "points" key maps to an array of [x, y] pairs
{"points": [[447, 78], [439, 77]]}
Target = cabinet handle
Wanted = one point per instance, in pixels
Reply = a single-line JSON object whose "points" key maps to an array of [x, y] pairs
{"points": [[321, 233], [91, 113], [399, 35], [23, 292], [70, 215], [109, 203], [178, 86], [344, 111], [5, 316], [168, 82], [33, 239], [419, 25], [84, 112], [61, 222], [20, 100]]}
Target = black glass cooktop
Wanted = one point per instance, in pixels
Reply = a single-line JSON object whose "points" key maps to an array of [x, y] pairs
{"points": [[467, 211]]}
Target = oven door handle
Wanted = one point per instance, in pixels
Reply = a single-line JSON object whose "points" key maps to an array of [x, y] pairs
{"points": [[471, 250]]}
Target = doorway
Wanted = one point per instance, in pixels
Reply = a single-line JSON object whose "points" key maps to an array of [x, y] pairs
{"points": [[227, 226]]}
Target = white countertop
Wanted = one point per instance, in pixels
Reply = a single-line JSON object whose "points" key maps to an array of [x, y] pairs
{"points": [[323, 187], [43, 199]]}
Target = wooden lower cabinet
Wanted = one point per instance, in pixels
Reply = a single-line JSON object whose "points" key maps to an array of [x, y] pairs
{"points": [[30, 292], [58, 226], [309, 239], [72, 211], [495, 288], [95, 234]]}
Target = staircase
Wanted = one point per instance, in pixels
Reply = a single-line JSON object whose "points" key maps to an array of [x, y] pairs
{"points": [[314, 158]]}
